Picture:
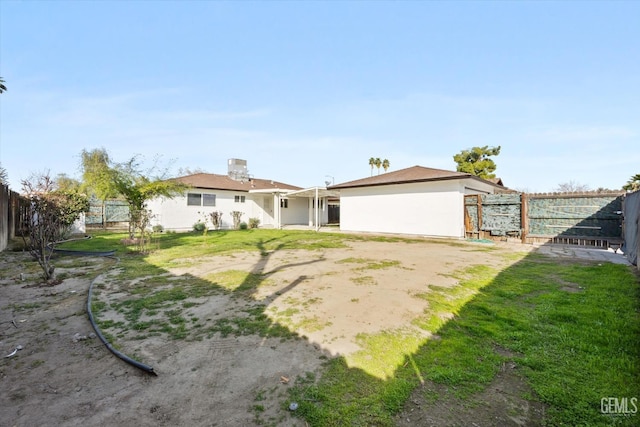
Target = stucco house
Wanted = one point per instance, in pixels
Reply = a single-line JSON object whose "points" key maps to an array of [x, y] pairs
{"points": [[416, 200], [274, 203]]}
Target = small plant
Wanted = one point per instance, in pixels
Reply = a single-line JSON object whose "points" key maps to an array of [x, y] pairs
{"points": [[243, 225], [254, 222], [157, 228], [204, 221], [199, 226], [236, 215], [216, 219]]}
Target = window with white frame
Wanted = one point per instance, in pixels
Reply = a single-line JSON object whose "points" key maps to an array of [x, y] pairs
{"points": [[239, 199], [194, 199], [199, 199]]}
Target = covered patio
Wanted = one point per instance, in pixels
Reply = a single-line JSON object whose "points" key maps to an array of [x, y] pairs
{"points": [[318, 203]]}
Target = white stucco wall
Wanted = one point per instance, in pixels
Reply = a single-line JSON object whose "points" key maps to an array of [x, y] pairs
{"points": [[296, 213], [175, 214], [432, 208]]}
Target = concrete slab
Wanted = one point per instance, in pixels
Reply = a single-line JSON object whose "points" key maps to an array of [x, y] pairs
{"points": [[591, 254]]}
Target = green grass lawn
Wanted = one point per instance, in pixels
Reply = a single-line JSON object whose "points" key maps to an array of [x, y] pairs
{"points": [[573, 330]]}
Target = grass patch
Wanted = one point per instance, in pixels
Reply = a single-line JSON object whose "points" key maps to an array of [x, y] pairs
{"points": [[369, 264], [253, 321], [29, 306], [237, 280], [573, 348], [364, 280]]}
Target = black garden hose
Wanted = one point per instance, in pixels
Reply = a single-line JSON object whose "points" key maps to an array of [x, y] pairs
{"points": [[108, 254], [148, 369]]}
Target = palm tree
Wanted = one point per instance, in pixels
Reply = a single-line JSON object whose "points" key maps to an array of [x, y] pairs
{"points": [[372, 163], [378, 163], [385, 164], [633, 184], [2, 86]]}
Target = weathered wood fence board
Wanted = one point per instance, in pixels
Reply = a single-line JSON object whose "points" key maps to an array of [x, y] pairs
{"points": [[585, 216], [589, 218], [108, 213], [631, 211], [12, 214], [501, 214]]}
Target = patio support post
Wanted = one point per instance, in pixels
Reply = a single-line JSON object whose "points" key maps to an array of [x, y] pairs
{"points": [[277, 210], [317, 211]]}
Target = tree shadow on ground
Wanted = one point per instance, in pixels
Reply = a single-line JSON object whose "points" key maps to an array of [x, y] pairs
{"points": [[517, 352], [520, 329]]}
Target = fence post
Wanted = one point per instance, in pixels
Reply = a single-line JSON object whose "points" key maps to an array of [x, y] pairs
{"points": [[637, 238], [524, 215], [479, 204]]}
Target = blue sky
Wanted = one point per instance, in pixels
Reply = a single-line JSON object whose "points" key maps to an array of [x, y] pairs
{"points": [[306, 90]]}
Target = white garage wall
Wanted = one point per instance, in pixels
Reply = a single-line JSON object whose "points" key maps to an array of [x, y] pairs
{"points": [[432, 208]]}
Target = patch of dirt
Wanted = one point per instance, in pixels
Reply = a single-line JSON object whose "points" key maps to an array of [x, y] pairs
{"points": [[503, 403], [61, 378]]}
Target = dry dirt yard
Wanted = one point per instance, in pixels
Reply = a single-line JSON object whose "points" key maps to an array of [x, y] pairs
{"points": [[64, 375]]}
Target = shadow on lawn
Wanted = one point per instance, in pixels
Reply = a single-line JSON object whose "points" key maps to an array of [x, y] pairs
{"points": [[541, 342], [568, 329]]}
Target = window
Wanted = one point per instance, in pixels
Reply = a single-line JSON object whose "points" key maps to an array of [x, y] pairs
{"points": [[284, 203], [194, 199], [198, 199], [239, 199]]}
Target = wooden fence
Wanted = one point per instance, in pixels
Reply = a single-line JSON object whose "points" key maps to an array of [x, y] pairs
{"points": [[107, 214], [588, 219], [631, 230], [12, 213]]}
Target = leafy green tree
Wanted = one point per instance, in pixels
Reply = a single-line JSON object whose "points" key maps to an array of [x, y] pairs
{"points": [[130, 182], [65, 183], [127, 180], [385, 164], [378, 163], [372, 163], [97, 177], [633, 184], [476, 161], [96, 166]]}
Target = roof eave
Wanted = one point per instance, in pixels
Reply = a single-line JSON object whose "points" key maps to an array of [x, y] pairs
{"points": [[407, 181]]}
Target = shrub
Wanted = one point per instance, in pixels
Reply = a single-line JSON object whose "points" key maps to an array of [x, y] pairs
{"points": [[157, 228], [243, 225], [254, 222], [199, 226]]}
